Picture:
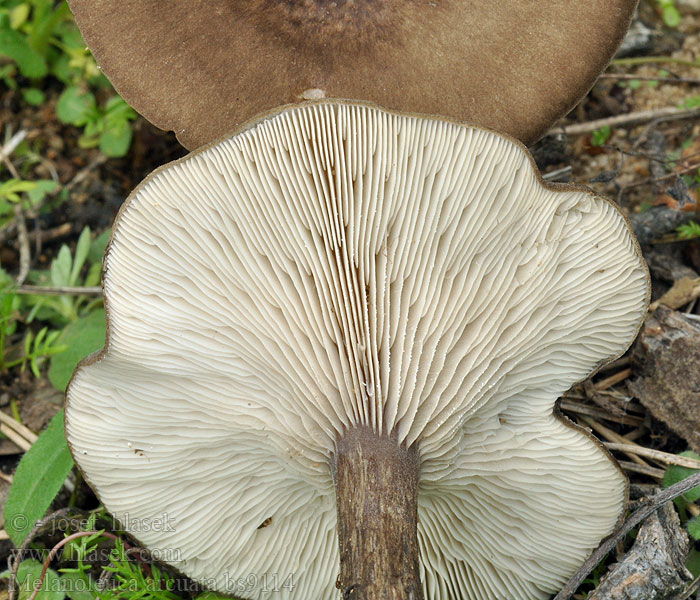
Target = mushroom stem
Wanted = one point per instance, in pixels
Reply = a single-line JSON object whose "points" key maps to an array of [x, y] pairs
{"points": [[376, 485]]}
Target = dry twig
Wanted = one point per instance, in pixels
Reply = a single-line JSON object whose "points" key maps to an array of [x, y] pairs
{"points": [[646, 60], [15, 437], [15, 558], [59, 291], [673, 175], [593, 411], [642, 469], [636, 433], [657, 455], [630, 77], [611, 436], [615, 365], [25, 255], [647, 506], [691, 589], [668, 113], [56, 548], [12, 143], [608, 382], [22, 430]]}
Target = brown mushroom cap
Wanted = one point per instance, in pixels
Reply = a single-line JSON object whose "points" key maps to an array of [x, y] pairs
{"points": [[201, 68]]}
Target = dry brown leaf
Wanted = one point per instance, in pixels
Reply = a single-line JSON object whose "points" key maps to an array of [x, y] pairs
{"points": [[682, 292]]}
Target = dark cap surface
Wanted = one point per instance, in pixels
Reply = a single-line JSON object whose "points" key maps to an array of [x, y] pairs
{"points": [[201, 68]]}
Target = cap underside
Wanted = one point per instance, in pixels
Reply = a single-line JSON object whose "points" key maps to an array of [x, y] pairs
{"points": [[338, 265]]}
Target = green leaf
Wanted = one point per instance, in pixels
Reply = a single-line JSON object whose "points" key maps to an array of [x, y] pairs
{"points": [[81, 253], [601, 135], [693, 562], [78, 586], [33, 96], [674, 474], [688, 231], [19, 14], [116, 139], [692, 102], [93, 276], [62, 70], [46, 20], [39, 477], [117, 108], [61, 267], [99, 246], [88, 141], [694, 528], [13, 44], [72, 39], [43, 187], [29, 574], [7, 75], [93, 128], [12, 187], [83, 337], [75, 106], [672, 17]]}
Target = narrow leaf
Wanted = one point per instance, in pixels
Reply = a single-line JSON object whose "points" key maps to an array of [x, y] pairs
{"points": [[82, 337], [81, 253], [38, 478], [61, 267]]}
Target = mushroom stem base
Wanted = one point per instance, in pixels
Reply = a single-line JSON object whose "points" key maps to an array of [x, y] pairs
{"points": [[376, 485]]}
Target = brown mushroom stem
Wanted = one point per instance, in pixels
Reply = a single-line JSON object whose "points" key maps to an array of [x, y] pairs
{"points": [[376, 485]]}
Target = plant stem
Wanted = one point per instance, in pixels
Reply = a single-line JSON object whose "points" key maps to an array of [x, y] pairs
{"points": [[376, 483]]}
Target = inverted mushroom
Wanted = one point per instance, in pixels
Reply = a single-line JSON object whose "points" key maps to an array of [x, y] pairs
{"points": [[203, 67], [339, 335]]}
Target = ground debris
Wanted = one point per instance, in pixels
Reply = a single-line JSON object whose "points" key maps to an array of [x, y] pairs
{"points": [[666, 358], [656, 222], [654, 568], [641, 39], [682, 292], [665, 262]]}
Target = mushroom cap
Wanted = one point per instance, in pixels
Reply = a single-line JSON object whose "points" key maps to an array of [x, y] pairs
{"points": [[204, 67], [336, 265]]}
